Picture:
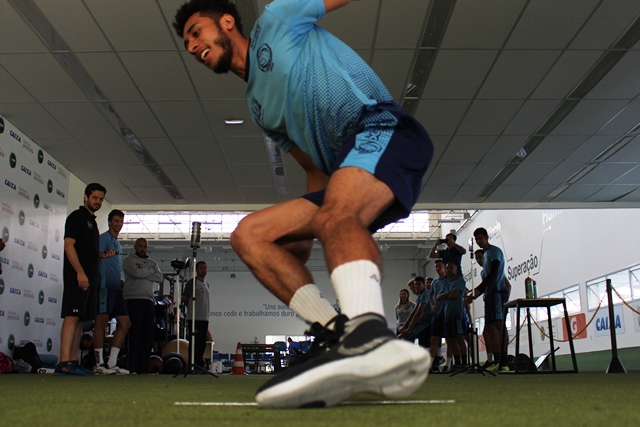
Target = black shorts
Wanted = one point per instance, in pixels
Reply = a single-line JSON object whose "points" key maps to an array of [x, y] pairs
{"points": [[493, 307], [78, 303], [437, 327]]}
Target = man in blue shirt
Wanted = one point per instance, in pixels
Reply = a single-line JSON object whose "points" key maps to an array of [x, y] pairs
{"points": [[454, 323], [364, 158], [494, 287], [111, 301]]}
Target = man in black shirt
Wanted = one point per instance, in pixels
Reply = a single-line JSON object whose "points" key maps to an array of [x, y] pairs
{"points": [[80, 269]]}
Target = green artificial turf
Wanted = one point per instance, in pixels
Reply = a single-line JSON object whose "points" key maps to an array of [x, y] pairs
{"points": [[585, 399]]}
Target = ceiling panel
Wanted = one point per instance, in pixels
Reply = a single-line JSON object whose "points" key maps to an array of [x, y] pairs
{"points": [[111, 150], [630, 178], [588, 117], [488, 117], [159, 76], [566, 73], [75, 25], [550, 24], [481, 25], [200, 151], [441, 117], [508, 193], [467, 149], [530, 117], [411, 13], [516, 73], [137, 25], [12, 91], [458, 74], [182, 119], [34, 120], [386, 63], [139, 117], [81, 119], [16, 35], [606, 173], [621, 82], [27, 69], [603, 28], [110, 76], [611, 193], [163, 151], [554, 149]]}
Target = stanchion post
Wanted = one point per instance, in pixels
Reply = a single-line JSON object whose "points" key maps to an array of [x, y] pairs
{"points": [[615, 366]]}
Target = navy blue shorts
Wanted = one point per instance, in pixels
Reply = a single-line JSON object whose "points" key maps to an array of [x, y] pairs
{"points": [[111, 301], [397, 150], [453, 328]]}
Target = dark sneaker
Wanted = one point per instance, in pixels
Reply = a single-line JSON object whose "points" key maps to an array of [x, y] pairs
{"points": [[70, 368], [325, 338], [366, 358]]}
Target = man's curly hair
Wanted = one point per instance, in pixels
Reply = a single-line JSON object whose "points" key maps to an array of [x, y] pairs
{"points": [[213, 8]]}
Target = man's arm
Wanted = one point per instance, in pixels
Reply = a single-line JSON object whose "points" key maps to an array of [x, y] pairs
{"points": [[434, 250], [331, 5], [316, 180], [72, 256], [491, 278]]}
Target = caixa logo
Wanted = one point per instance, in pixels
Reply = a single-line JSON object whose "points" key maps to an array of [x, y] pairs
{"points": [[39, 320], [60, 193], [10, 184], [15, 291], [25, 169], [15, 136], [18, 241], [52, 165], [52, 300], [55, 256], [47, 207], [43, 274]]}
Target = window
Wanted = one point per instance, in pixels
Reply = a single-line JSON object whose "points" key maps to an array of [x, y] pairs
{"points": [[635, 282], [621, 281]]}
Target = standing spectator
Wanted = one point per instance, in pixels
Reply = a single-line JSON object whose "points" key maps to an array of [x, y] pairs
{"points": [[479, 256], [140, 274], [453, 252], [404, 307], [111, 301], [80, 271], [201, 312], [493, 286], [454, 323], [438, 286]]}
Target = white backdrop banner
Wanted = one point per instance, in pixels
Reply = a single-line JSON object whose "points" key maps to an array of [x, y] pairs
{"points": [[34, 208]]}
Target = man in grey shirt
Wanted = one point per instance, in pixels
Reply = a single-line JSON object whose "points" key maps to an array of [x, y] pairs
{"points": [[140, 274], [201, 311]]}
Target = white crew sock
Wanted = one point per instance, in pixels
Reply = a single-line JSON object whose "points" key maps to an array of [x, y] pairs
{"points": [[309, 304], [99, 358], [357, 285], [113, 357]]}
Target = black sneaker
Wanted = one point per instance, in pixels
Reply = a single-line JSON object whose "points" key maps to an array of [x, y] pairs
{"points": [[325, 337], [366, 358]]}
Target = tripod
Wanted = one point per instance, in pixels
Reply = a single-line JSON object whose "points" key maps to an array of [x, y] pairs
{"points": [[191, 367], [474, 367]]}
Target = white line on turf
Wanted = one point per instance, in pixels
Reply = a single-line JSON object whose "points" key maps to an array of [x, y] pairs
{"points": [[376, 402]]}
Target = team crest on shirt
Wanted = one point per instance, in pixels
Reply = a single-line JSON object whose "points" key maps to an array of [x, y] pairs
{"points": [[256, 110], [89, 225], [368, 142], [265, 58]]}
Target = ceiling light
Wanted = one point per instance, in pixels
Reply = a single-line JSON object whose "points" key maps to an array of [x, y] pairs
{"points": [[233, 121]]}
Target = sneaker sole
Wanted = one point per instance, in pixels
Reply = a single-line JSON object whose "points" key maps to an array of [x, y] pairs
{"points": [[393, 370]]}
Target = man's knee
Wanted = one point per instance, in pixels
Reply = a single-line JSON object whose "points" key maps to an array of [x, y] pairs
{"points": [[301, 250], [241, 237]]}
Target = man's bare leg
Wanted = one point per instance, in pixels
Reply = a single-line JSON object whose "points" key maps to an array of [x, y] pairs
{"points": [[69, 353], [275, 243]]}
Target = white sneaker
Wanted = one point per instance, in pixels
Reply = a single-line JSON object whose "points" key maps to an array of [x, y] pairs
{"points": [[120, 371], [103, 370]]}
